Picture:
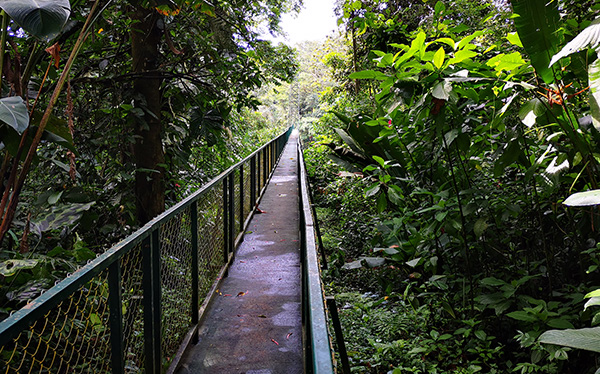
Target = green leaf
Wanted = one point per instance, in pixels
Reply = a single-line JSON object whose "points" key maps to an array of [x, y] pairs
{"points": [[395, 197], [43, 19], [368, 74], [381, 203], [480, 226], [442, 90], [491, 281], [587, 339], [10, 267], [439, 9], [587, 198], [589, 37], [594, 82], [513, 38], [592, 302], [414, 262], [372, 190], [522, 315], [52, 199], [595, 293], [508, 62], [447, 41], [60, 216], [530, 111], [468, 39], [13, 112], [537, 24], [560, 323], [379, 160], [438, 58], [462, 55]]}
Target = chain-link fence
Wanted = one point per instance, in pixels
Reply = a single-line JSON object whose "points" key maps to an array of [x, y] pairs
{"points": [[129, 310]]}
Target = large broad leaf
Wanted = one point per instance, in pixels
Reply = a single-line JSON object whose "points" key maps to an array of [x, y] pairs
{"points": [[530, 111], [589, 37], [14, 113], [594, 80], [11, 267], [537, 24], [586, 198], [59, 217], [588, 339], [41, 18]]}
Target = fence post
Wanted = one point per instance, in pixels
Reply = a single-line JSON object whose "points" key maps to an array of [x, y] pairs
{"points": [[241, 197], [195, 302], [252, 182], [116, 318], [225, 221], [264, 153], [231, 185], [339, 338], [151, 268]]}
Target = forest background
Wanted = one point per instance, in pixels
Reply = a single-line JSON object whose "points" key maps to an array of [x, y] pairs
{"points": [[452, 148]]}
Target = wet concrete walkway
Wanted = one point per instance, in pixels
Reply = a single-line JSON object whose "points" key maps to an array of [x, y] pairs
{"points": [[254, 324]]}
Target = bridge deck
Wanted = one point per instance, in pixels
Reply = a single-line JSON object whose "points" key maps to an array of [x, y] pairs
{"points": [[254, 323]]}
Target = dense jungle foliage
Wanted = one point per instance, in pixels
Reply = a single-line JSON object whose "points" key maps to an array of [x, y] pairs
{"points": [[452, 146], [455, 170], [112, 111]]}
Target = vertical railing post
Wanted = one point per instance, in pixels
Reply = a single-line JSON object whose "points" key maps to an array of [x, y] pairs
{"points": [[252, 182], [264, 152], [241, 197], [155, 246], [225, 220], [195, 281], [151, 286], [116, 318], [231, 186]]}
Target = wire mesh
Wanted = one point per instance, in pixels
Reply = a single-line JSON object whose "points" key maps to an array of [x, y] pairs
{"points": [[210, 239], [247, 192], [73, 337], [237, 207], [261, 172], [176, 281], [132, 296]]}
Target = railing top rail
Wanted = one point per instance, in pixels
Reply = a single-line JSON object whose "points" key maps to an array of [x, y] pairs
{"points": [[321, 360], [37, 308]]}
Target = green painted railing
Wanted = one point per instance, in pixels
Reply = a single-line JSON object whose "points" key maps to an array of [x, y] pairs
{"points": [[134, 307], [317, 346]]}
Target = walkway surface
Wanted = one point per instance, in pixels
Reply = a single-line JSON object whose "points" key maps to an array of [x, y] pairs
{"points": [[254, 324]]}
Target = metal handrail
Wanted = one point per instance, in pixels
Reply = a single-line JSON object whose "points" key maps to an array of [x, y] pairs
{"points": [[107, 270], [319, 355]]}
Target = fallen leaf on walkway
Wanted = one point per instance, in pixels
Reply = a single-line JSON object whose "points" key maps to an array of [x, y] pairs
{"points": [[242, 261], [261, 316], [288, 335], [260, 211], [273, 340], [248, 232], [227, 294], [242, 293]]}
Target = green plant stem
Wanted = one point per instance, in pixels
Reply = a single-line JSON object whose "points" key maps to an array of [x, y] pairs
{"points": [[5, 20], [8, 214], [439, 117]]}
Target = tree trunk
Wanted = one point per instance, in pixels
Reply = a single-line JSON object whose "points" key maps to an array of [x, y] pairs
{"points": [[148, 150]]}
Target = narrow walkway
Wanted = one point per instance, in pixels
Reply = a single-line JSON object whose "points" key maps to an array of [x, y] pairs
{"points": [[254, 324]]}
